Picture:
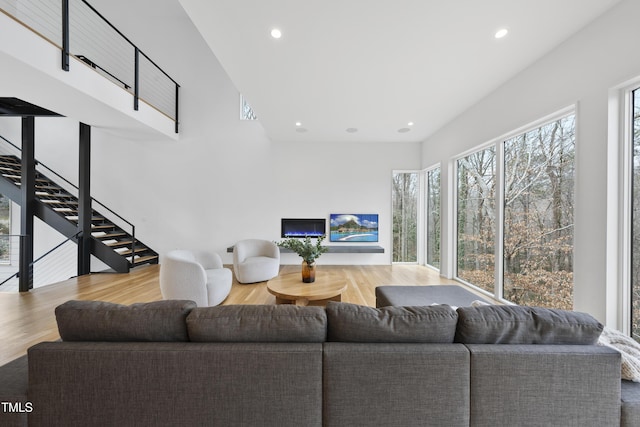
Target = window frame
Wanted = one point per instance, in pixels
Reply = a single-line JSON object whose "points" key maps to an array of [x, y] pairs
{"points": [[498, 145], [419, 220], [454, 222], [618, 301], [426, 191]]}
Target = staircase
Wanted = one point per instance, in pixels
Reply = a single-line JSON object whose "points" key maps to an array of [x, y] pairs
{"points": [[59, 209]]}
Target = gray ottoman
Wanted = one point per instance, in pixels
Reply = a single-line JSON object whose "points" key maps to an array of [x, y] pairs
{"points": [[453, 295]]}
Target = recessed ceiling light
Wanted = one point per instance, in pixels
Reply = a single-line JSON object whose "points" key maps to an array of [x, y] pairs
{"points": [[501, 33], [298, 124], [410, 124], [276, 33]]}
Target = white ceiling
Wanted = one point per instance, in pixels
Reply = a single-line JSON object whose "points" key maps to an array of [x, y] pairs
{"points": [[376, 65]]}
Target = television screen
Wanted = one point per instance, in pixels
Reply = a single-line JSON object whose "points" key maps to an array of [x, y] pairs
{"points": [[303, 227], [353, 228]]}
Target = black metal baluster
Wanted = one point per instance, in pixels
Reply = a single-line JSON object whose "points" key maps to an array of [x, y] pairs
{"points": [[65, 35]]}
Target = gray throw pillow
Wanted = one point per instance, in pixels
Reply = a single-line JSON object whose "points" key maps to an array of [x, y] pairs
{"points": [[509, 324], [357, 323], [105, 321], [257, 323]]}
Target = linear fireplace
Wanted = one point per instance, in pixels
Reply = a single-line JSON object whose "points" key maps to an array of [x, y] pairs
{"points": [[302, 227]]}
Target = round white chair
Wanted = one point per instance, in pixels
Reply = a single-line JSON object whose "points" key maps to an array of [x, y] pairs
{"points": [[194, 275], [255, 260]]}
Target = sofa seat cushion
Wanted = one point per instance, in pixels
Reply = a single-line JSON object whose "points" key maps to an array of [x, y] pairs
{"points": [[357, 323], [257, 323], [105, 321], [257, 261], [509, 324]]}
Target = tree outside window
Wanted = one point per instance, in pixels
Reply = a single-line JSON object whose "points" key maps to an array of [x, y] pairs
{"points": [[405, 187], [476, 218], [433, 217], [538, 216], [537, 221]]}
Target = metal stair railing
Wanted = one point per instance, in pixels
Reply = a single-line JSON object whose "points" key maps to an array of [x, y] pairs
{"points": [[80, 31], [49, 266], [74, 188]]}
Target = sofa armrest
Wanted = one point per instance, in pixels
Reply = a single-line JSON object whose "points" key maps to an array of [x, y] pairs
{"points": [[14, 378]]}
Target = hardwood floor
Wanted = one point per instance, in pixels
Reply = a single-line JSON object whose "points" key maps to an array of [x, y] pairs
{"points": [[28, 318]]}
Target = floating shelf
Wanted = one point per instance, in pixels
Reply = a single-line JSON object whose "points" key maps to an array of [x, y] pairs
{"points": [[338, 249]]}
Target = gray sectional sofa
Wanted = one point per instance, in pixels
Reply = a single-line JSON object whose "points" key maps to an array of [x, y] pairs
{"points": [[171, 363]]}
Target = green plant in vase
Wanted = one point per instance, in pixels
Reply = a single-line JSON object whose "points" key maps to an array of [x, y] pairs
{"points": [[309, 251]]}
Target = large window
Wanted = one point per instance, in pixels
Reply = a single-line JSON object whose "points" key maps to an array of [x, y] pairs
{"points": [[538, 216], [405, 187], [476, 218], [635, 219], [433, 217], [533, 212]]}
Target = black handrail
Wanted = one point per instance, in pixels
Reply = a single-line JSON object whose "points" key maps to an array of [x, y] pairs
{"points": [[57, 246]]}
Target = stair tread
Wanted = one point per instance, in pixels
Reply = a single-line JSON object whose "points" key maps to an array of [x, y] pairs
{"points": [[98, 235], [74, 218], [102, 226], [141, 260], [127, 251], [118, 243]]}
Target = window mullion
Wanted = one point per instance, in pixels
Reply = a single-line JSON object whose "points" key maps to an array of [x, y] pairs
{"points": [[499, 203]]}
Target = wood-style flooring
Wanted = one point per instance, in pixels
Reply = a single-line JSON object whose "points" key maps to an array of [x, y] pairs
{"points": [[28, 318]]}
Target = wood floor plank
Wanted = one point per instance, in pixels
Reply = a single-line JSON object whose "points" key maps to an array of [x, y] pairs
{"points": [[28, 318]]}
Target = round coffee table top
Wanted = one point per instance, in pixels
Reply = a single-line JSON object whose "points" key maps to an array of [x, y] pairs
{"points": [[291, 287]]}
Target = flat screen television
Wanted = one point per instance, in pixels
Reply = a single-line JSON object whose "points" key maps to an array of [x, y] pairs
{"points": [[353, 228], [303, 227]]}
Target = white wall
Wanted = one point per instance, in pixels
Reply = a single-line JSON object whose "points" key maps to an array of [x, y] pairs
{"points": [[581, 71], [223, 180]]}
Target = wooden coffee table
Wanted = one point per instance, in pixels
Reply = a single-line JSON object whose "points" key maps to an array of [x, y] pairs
{"points": [[290, 289]]}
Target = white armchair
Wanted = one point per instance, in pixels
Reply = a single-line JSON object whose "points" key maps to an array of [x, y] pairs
{"points": [[256, 260], [194, 275]]}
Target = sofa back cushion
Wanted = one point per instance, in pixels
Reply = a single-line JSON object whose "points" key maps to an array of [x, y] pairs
{"points": [[105, 321], [257, 323], [508, 324], [357, 323]]}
